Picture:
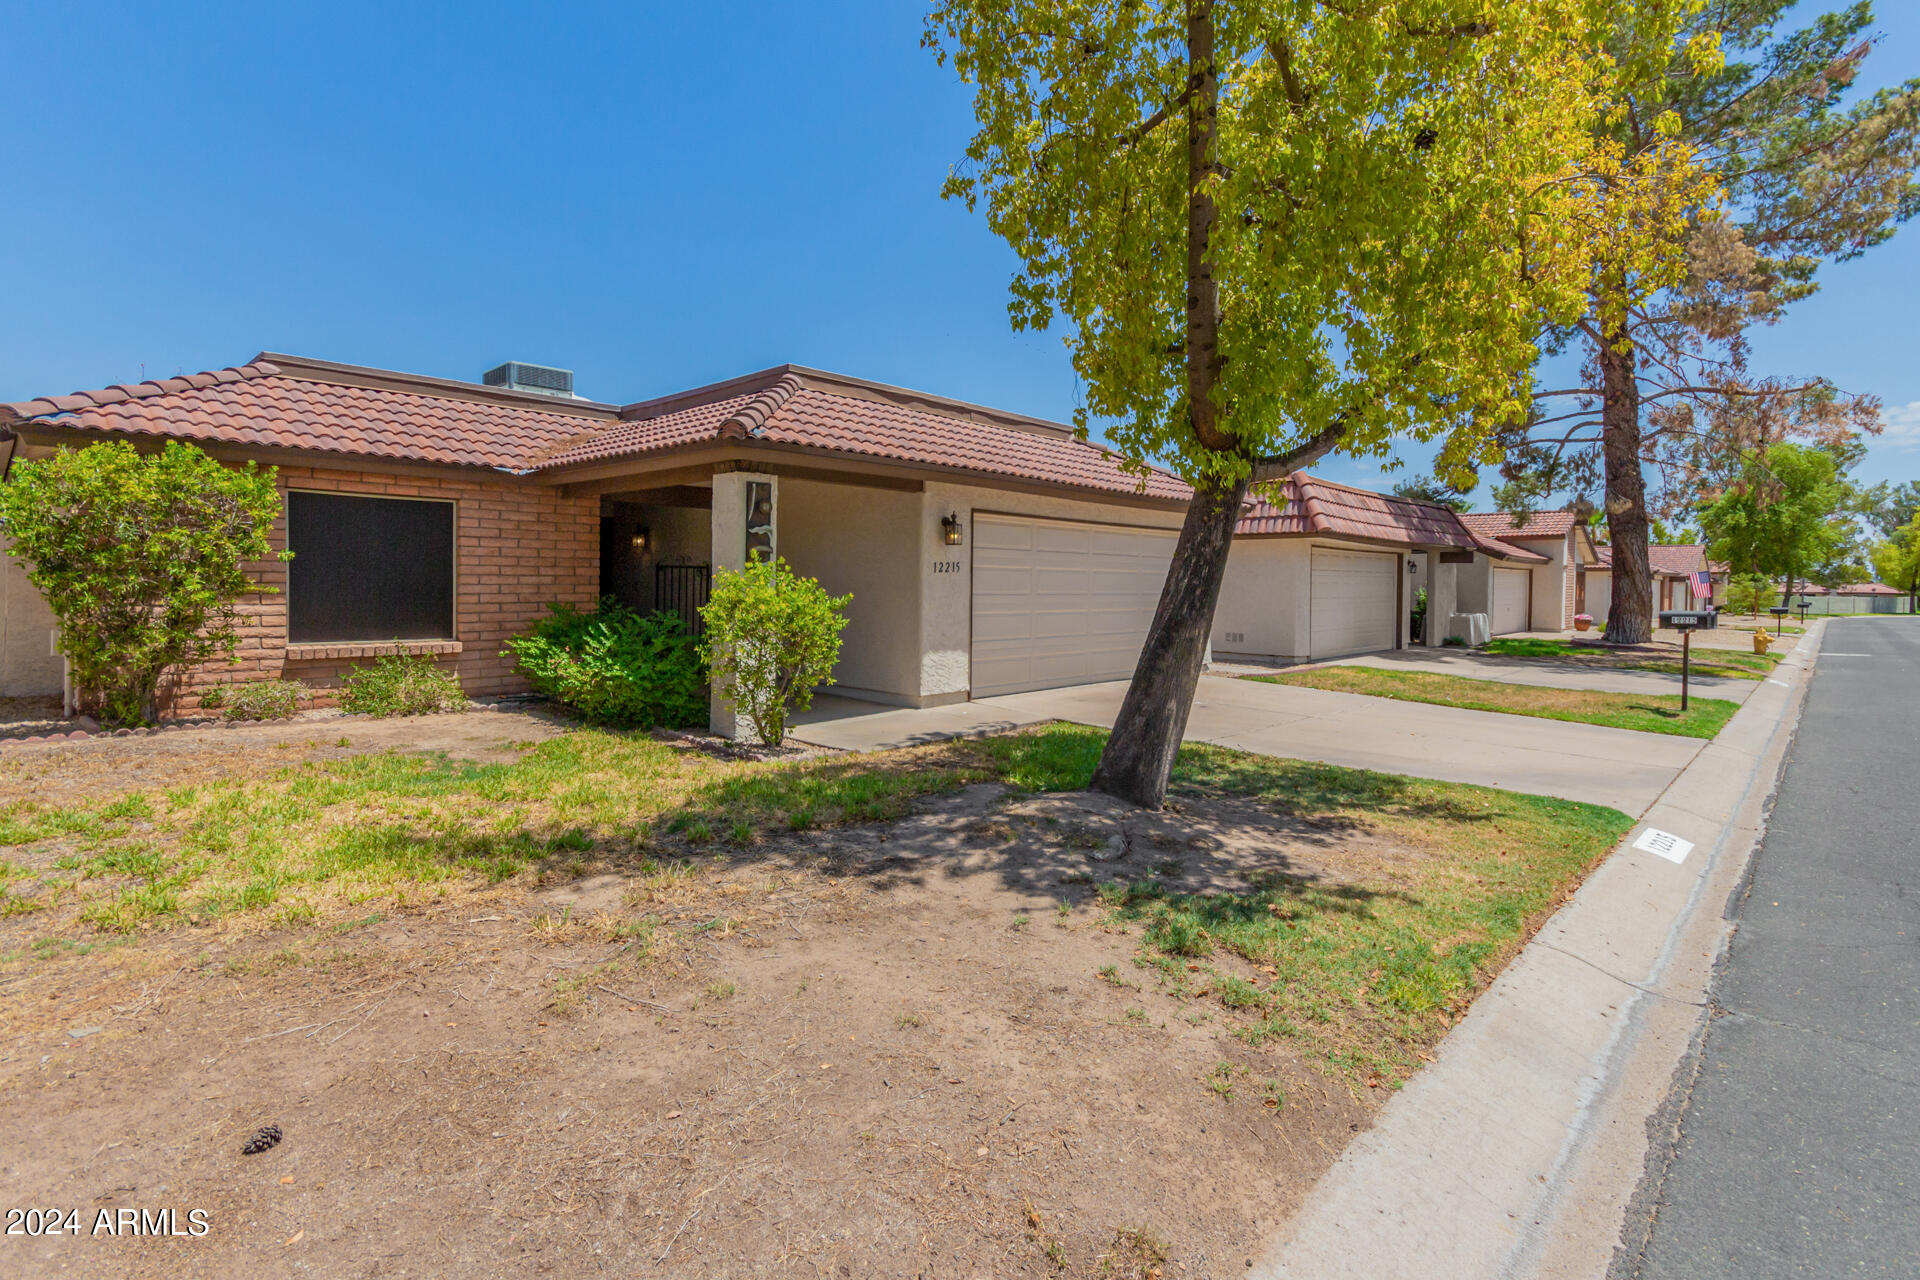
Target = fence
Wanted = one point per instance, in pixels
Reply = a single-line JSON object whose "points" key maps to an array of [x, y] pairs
{"points": [[1831, 605], [682, 589]]}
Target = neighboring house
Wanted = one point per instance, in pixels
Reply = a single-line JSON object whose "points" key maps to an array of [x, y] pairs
{"points": [[1331, 570], [29, 665], [986, 552], [1558, 580], [1672, 566], [1673, 570]]}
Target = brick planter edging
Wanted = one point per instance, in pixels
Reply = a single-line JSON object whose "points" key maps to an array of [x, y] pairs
{"points": [[324, 652]]}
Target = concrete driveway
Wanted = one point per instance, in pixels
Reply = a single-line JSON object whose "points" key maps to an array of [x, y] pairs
{"points": [[1548, 674], [1616, 767]]}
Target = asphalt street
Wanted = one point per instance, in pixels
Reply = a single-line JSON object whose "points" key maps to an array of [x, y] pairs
{"points": [[1798, 1139]]}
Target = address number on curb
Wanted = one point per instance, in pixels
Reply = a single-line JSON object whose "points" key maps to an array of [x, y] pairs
{"points": [[1665, 844]]}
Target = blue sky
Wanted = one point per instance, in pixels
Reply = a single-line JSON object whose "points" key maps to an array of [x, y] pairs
{"points": [[655, 196]]}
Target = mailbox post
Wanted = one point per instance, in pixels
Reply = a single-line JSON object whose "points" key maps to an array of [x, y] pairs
{"points": [[1686, 622]]}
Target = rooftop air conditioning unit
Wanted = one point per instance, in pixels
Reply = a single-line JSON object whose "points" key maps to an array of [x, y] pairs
{"points": [[515, 376]]}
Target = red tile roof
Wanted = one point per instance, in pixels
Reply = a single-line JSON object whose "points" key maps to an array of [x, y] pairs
{"points": [[1538, 525], [289, 402], [808, 409], [1310, 505], [1677, 561], [1868, 589], [265, 405]]}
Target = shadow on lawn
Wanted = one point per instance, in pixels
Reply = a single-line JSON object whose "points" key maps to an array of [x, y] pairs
{"points": [[1015, 808]]}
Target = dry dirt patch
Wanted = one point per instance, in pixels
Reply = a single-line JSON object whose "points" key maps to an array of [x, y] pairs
{"points": [[104, 767], [690, 1032], [883, 1050]]}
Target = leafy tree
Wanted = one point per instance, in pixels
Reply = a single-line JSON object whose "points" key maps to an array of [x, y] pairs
{"points": [[1783, 517], [1896, 561], [1893, 507], [1275, 229], [142, 557], [1812, 171], [771, 637], [1749, 593], [1434, 489]]}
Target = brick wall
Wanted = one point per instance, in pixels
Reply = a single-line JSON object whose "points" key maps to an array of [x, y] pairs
{"points": [[1570, 588], [517, 548]]}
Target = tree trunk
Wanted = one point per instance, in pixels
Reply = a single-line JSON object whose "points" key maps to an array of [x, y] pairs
{"points": [[1630, 617], [1139, 755]]}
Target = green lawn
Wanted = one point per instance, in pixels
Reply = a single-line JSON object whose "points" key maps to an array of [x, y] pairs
{"points": [[1733, 663], [1703, 717], [1361, 972]]}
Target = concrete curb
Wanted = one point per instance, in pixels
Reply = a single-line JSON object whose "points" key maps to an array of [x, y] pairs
{"points": [[1517, 1153]]}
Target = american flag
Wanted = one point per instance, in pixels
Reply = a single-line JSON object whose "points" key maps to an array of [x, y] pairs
{"points": [[1701, 581]]}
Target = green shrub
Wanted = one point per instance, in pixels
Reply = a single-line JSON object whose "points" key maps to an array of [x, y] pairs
{"points": [[256, 699], [1749, 593], [771, 637], [142, 557], [614, 666], [401, 684]]}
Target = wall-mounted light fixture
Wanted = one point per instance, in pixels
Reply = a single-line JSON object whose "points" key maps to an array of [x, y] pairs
{"points": [[950, 529], [640, 536], [1413, 567]]}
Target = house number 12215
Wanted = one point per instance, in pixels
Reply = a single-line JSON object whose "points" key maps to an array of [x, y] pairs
{"points": [[946, 566]]}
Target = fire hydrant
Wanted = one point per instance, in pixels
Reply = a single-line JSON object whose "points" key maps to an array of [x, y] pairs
{"points": [[1762, 641]]}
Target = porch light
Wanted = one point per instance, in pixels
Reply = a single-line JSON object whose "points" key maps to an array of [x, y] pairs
{"points": [[640, 536], [950, 529]]}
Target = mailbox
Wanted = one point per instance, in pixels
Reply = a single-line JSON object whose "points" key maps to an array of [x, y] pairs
{"points": [[1686, 622]]}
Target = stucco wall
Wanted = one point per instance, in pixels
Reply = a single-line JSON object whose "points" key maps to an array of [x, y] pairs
{"points": [[1599, 595], [1265, 599], [28, 666], [1473, 586], [865, 541], [946, 597]]}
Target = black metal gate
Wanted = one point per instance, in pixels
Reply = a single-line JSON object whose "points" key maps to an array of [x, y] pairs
{"points": [[682, 589]]}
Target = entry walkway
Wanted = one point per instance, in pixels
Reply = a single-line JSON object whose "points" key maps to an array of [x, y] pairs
{"points": [[1616, 767]]}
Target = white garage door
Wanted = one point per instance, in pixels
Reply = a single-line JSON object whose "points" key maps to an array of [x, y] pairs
{"points": [[1056, 603], [1355, 601], [1511, 590]]}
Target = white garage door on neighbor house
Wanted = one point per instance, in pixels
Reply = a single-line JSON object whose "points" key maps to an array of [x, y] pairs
{"points": [[1512, 589], [1060, 603], [1355, 601]]}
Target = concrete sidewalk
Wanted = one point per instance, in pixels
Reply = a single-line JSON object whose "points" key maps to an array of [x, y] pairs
{"points": [[1518, 1151], [1615, 767], [1546, 674]]}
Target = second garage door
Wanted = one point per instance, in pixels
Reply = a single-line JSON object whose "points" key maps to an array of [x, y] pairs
{"points": [[1059, 603], [1511, 591], [1355, 602]]}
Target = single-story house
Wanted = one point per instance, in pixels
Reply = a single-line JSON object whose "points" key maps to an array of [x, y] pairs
{"points": [[1322, 570], [986, 552], [1673, 567], [1555, 586]]}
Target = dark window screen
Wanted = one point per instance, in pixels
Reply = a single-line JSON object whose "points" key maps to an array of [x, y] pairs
{"points": [[368, 569]]}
